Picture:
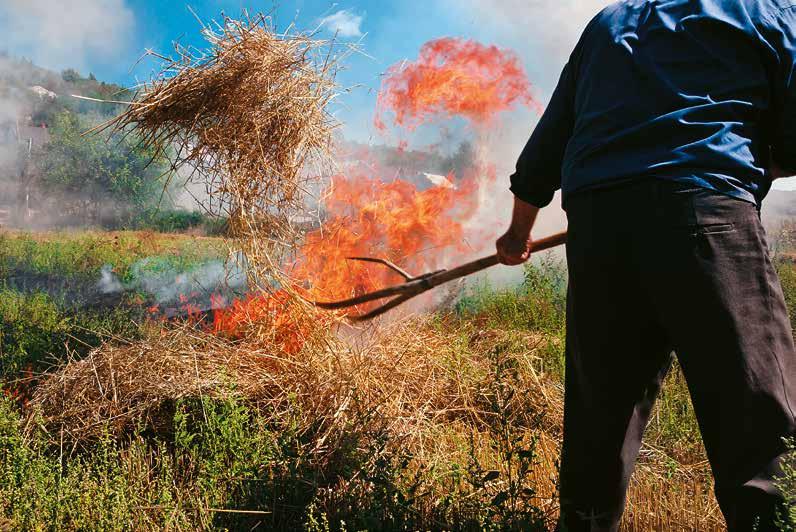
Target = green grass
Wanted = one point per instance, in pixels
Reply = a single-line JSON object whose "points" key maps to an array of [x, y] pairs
{"points": [[39, 330], [36, 334], [787, 275], [226, 461], [538, 305], [787, 483], [84, 254], [225, 455]]}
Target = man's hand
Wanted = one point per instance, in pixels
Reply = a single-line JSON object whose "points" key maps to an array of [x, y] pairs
{"points": [[514, 247]]}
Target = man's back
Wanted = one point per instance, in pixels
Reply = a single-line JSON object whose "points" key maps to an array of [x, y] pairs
{"points": [[661, 133], [697, 91]]}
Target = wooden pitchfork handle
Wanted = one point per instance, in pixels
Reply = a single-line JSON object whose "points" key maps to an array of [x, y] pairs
{"points": [[414, 286]]}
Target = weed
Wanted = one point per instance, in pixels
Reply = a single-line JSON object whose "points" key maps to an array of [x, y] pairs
{"points": [[510, 488], [787, 483]]}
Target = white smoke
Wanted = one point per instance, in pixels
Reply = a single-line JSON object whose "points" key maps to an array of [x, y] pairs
{"points": [[538, 30], [167, 284], [63, 34], [788, 183]]}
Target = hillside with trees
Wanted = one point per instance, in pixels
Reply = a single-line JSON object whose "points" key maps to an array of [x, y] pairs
{"points": [[55, 174]]}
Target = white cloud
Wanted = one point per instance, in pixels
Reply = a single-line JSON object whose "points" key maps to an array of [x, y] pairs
{"points": [[61, 33], [531, 26], [344, 23]]}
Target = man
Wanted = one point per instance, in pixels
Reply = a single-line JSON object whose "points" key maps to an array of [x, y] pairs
{"points": [[663, 134]]}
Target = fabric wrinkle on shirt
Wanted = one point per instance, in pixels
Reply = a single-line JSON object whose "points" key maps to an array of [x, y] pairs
{"points": [[699, 92]]}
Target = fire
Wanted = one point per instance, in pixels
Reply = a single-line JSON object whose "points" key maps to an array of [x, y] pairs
{"points": [[269, 308], [390, 220], [454, 77], [370, 212], [369, 218], [21, 390]]}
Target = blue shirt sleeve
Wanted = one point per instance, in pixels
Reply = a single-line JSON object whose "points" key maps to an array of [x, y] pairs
{"points": [[783, 138], [538, 173]]}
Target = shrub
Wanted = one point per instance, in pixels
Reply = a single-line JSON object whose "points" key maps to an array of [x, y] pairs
{"points": [[169, 221], [35, 333], [787, 275]]}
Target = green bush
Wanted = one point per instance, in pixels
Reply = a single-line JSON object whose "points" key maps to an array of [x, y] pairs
{"points": [[139, 485], [97, 177], [35, 333], [223, 468], [169, 221], [787, 275]]}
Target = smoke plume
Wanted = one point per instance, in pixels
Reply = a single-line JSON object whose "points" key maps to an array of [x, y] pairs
{"points": [[528, 25], [59, 34]]}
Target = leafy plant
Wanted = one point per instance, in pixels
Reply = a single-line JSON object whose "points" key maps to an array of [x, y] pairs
{"points": [[94, 178], [510, 488], [787, 483]]}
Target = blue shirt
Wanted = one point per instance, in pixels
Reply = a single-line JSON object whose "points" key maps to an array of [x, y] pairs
{"points": [[697, 91]]}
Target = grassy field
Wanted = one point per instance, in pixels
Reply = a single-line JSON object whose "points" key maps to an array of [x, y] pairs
{"points": [[45, 323], [450, 421]]}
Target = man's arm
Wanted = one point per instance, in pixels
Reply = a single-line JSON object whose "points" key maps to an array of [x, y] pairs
{"points": [[515, 246], [783, 137], [538, 174]]}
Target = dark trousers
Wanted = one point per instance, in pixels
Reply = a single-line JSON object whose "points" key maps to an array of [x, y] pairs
{"points": [[657, 267]]}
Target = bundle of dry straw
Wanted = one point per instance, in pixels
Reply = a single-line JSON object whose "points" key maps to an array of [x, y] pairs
{"points": [[249, 118], [406, 373], [414, 387]]}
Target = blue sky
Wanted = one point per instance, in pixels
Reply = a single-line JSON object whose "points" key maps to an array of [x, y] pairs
{"points": [[388, 32], [107, 37]]}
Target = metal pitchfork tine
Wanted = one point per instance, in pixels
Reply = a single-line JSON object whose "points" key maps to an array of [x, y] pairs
{"points": [[414, 286]]}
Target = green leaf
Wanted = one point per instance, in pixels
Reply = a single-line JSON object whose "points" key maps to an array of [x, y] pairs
{"points": [[491, 476], [500, 498]]}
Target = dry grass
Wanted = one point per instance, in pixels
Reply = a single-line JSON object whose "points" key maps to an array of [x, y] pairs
{"points": [[249, 118], [429, 387]]}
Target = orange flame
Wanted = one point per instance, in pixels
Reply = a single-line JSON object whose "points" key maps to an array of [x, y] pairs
{"points": [[268, 308], [392, 218], [453, 77]]}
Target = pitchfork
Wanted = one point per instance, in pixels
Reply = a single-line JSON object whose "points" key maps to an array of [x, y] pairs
{"points": [[414, 286]]}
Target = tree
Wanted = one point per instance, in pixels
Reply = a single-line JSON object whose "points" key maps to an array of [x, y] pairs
{"points": [[463, 161], [94, 177], [70, 75]]}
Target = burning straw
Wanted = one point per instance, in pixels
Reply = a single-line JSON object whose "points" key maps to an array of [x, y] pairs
{"points": [[250, 118]]}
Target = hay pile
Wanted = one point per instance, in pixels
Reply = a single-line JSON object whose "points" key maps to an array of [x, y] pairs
{"points": [[249, 118], [414, 388], [411, 373], [120, 387]]}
